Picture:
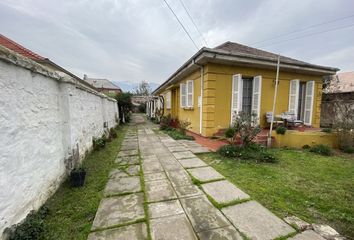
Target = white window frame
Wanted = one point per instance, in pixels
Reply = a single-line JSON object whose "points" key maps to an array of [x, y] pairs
{"points": [[168, 100], [190, 92]]}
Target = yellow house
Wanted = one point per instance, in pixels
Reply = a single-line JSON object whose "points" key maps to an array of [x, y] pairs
{"points": [[217, 83]]}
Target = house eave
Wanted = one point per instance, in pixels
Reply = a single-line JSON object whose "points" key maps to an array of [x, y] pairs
{"points": [[207, 55]]}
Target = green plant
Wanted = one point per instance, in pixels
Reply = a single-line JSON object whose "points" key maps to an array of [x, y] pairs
{"points": [[281, 130], [125, 106], [327, 130], [252, 151], [142, 108], [230, 132], [183, 126], [177, 135], [112, 133], [348, 149], [321, 149], [246, 128], [31, 228], [306, 146], [99, 143], [230, 151]]}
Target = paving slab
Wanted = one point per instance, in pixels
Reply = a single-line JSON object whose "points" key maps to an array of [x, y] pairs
{"points": [[119, 210], [152, 167], [185, 154], [205, 174], [130, 146], [127, 153], [159, 190], [118, 173], [225, 233], [256, 222], [187, 191], [297, 223], [154, 176], [202, 214], [179, 178], [127, 160], [122, 185], [165, 209], [136, 231], [307, 235], [133, 170], [172, 166], [199, 150], [177, 149], [172, 228], [192, 163], [224, 191]]}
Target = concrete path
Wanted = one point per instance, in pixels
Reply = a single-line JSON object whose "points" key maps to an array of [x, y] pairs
{"points": [[161, 189]]}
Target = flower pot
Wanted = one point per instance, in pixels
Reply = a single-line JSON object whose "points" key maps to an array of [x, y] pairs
{"points": [[77, 177]]}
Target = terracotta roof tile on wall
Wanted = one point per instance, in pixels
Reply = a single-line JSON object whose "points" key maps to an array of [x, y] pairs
{"points": [[8, 43]]}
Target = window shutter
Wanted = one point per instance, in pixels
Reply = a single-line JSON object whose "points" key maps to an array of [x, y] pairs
{"points": [[236, 96], [256, 97], [309, 96], [168, 100], [294, 97], [183, 95], [190, 90]]}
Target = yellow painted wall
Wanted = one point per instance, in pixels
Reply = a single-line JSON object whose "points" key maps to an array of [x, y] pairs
{"points": [[185, 114], [217, 94], [296, 139]]}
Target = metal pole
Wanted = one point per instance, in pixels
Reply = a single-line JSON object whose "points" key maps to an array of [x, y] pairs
{"points": [[269, 140]]}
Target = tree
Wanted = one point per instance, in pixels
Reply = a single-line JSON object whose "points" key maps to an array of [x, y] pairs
{"points": [[125, 105], [143, 89]]}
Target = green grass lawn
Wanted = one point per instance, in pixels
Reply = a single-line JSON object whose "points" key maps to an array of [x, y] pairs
{"points": [[315, 188], [72, 210]]}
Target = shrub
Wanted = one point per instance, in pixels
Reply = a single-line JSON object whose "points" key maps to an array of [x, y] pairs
{"points": [[177, 135], [230, 132], [112, 133], [142, 108], [306, 146], [166, 122], [254, 152], [348, 149], [281, 130], [30, 228], [183, 126], [230, 151], [321, 149], [99, 143], [246, 128], [327, 130]]}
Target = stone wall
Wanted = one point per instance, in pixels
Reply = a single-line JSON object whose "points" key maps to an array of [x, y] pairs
{"points": [[47, 122]]}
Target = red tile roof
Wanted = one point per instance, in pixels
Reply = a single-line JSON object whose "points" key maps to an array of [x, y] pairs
{"points": [[8, 43]]}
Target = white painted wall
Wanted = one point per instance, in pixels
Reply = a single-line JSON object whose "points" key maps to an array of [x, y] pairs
{"points": [[44, 119]]}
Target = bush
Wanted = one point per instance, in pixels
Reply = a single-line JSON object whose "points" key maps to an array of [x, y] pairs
{"points": [[321, 149], [30, 228], [177, 135], [327, 130], [99, 143], [183, 126], [254, 152], [348, 149], [166, 122], [230, 132], [142, 108], [306, 146], [281, 130], [230, 151], [112, 133], [246, 128]]}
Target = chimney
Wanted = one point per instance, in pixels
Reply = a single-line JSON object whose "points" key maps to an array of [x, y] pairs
{"points": [[85, 77]]}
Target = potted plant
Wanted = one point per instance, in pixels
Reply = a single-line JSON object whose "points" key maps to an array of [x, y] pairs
{"points": [[77, 177]]}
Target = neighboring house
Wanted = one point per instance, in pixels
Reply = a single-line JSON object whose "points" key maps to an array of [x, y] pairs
{"points": [[217, 83], [16, 47], [103, 85], [338, 98]]}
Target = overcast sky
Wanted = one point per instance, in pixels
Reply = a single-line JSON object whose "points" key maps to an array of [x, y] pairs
{"points": [[132, 40]]}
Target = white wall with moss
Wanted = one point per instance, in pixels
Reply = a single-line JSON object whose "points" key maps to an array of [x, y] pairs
{"points": [[47, 122]]}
